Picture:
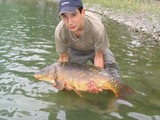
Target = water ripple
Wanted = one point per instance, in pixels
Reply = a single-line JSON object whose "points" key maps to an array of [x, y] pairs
{"points": [[139, 116], [15, 108], [19, 68]]}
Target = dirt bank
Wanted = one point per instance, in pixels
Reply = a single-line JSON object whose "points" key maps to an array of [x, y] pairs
{"points": [[140, 22]]}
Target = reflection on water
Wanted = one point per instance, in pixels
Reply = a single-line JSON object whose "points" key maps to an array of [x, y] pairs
{"points": [[27, 44]]}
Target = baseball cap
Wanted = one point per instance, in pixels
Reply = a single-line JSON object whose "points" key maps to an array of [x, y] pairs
{"points": [[69, 6]]}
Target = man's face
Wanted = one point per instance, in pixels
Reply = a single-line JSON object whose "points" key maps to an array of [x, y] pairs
{"points": [[73, 21]]}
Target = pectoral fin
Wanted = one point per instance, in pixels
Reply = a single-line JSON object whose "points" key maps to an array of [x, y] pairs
{"points": [[53, 82], [78, 92], [59, 85]]}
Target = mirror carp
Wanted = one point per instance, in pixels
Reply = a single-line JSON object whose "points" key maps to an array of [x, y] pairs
{"points": [[78, 77]]}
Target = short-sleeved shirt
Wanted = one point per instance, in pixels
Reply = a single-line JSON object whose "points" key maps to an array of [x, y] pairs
{"points": [[94, 36]]}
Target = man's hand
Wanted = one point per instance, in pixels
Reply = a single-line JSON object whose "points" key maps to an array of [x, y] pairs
{"points": [[64, 57], [93, 88]]}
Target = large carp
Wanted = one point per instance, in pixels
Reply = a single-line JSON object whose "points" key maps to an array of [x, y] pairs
{"points": [[77, 77]]}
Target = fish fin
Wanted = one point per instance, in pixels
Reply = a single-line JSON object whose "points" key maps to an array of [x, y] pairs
{"points": [[59, 85], [78, 92], [53, 82], [124, 91]]}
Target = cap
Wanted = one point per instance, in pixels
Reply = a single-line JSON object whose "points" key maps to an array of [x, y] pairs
{"points": [[69, 6]]}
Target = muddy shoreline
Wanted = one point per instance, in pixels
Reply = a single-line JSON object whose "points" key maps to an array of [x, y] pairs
{"points": [[139, 22]]}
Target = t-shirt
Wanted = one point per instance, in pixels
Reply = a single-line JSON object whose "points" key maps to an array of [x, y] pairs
{"points": [[94, 36]]}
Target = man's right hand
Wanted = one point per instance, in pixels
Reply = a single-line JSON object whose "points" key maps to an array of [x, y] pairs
{"points": [[93, 88]]}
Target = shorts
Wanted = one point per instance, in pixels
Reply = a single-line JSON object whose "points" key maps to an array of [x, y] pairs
{"points": [[82, 57]]}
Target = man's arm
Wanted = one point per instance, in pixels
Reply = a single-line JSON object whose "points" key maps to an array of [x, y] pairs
{"points": [[64, 57], [99, 59]]}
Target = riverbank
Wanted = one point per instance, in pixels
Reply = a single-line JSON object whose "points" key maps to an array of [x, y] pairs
{"points": [[145, 21], [141, 16]]}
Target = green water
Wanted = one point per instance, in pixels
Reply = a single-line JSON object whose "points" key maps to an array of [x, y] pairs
{"points": [[27, 44]]}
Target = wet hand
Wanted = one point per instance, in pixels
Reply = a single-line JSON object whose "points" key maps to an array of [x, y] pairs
{"points": [[93, 88]]}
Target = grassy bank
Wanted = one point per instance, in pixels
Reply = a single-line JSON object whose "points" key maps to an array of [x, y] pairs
{"points": [[128, 5]]}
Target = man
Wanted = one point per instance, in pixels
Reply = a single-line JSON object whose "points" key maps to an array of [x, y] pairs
{"points": [[80, 36]]}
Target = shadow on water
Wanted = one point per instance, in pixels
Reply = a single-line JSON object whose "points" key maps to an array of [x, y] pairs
{"points": [[70, 106], [27, 44]]}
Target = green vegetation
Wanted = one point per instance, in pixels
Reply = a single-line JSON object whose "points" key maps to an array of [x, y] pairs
{"points": [[151, 6]]}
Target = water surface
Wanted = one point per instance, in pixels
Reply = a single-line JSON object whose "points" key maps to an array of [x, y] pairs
{"points": [[27, 44]]}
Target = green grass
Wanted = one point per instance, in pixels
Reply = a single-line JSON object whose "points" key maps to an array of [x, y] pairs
{"points": [[128, 5]]}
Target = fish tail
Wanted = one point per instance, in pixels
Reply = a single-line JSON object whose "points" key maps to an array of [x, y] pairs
{"points": [[124, 91]]}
